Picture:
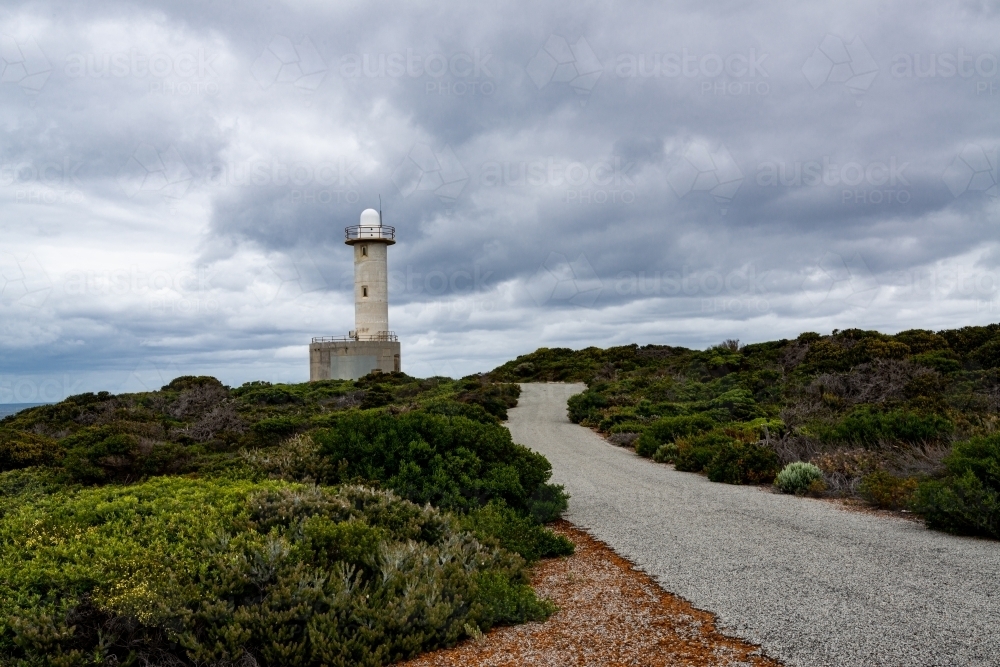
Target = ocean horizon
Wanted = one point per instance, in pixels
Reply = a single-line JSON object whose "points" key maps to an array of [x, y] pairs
{"points": [[8, 409]]}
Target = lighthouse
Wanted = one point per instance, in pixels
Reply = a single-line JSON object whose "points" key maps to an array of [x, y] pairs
{"points": [[370, 345]]}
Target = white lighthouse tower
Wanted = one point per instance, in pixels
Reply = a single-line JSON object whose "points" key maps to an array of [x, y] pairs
{"points": [[370, 346]]}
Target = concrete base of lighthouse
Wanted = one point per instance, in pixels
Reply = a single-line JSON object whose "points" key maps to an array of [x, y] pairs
{"points": [[351, 359]]}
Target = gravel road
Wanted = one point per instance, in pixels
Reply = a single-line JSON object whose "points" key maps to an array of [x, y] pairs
{"points": [[812, 583]]}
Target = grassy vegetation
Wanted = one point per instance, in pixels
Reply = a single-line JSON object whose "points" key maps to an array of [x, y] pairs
{"points": [[338, 522], [905, 421]]}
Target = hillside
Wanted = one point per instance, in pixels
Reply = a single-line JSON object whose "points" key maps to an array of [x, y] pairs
{"points": [[335, 522], [905, 421]]}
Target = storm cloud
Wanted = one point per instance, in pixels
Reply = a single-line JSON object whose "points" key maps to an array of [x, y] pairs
{"points": [[175, 179]]}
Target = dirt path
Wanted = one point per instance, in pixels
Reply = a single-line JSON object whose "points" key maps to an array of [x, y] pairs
{"points": [[609, 614]]}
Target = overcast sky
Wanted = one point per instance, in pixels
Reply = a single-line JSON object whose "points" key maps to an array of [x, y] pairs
{"points": [[175, 178]]}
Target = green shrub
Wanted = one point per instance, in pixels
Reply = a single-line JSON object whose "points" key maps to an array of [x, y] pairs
{"points": [[981, 456], [988, 355], [886, 491], [798, 478], [548, 502], [181, 571], [585, 405], [494, 398], [967, 500], [264, 393], [449, 408], [739, 403], [451, 462], [943, 361], [22, 450], [97, 454], [627, 427], [868, 427], [695, 453], [921, 341], [693, 459], [273, 430], [376, 397], [669, 429], [961, 504], [515, 532], [743, 463], [617, 419], [503, 602], [666, 453]]}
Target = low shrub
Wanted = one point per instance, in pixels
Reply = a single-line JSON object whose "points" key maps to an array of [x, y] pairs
{"points": [[869, 427], [798, 478], [625, 439], [669, 429], [186, 572], [743, 463], [739, 403], [376, 396], [961, 504], [887, 491], [967, 500], [847, 462], [272, 430], [696, 452], [548, 502], [451, 462], [628, 427], [500, 524], [667, 453], [494, 398], [585, 405], [473, 411], [97, 454], [22, 450]]}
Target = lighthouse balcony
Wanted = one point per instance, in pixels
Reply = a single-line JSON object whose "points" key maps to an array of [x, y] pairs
{"points": [[358, 233], [385, 336]]}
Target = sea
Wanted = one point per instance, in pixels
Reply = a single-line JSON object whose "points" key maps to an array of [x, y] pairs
{"points": [[7, 409]]}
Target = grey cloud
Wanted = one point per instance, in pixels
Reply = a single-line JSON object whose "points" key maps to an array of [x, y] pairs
{"points": [[651, 169]]}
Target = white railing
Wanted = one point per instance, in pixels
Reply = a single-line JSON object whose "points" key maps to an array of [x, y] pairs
{"points": [[384, 336], [375, 232]]}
